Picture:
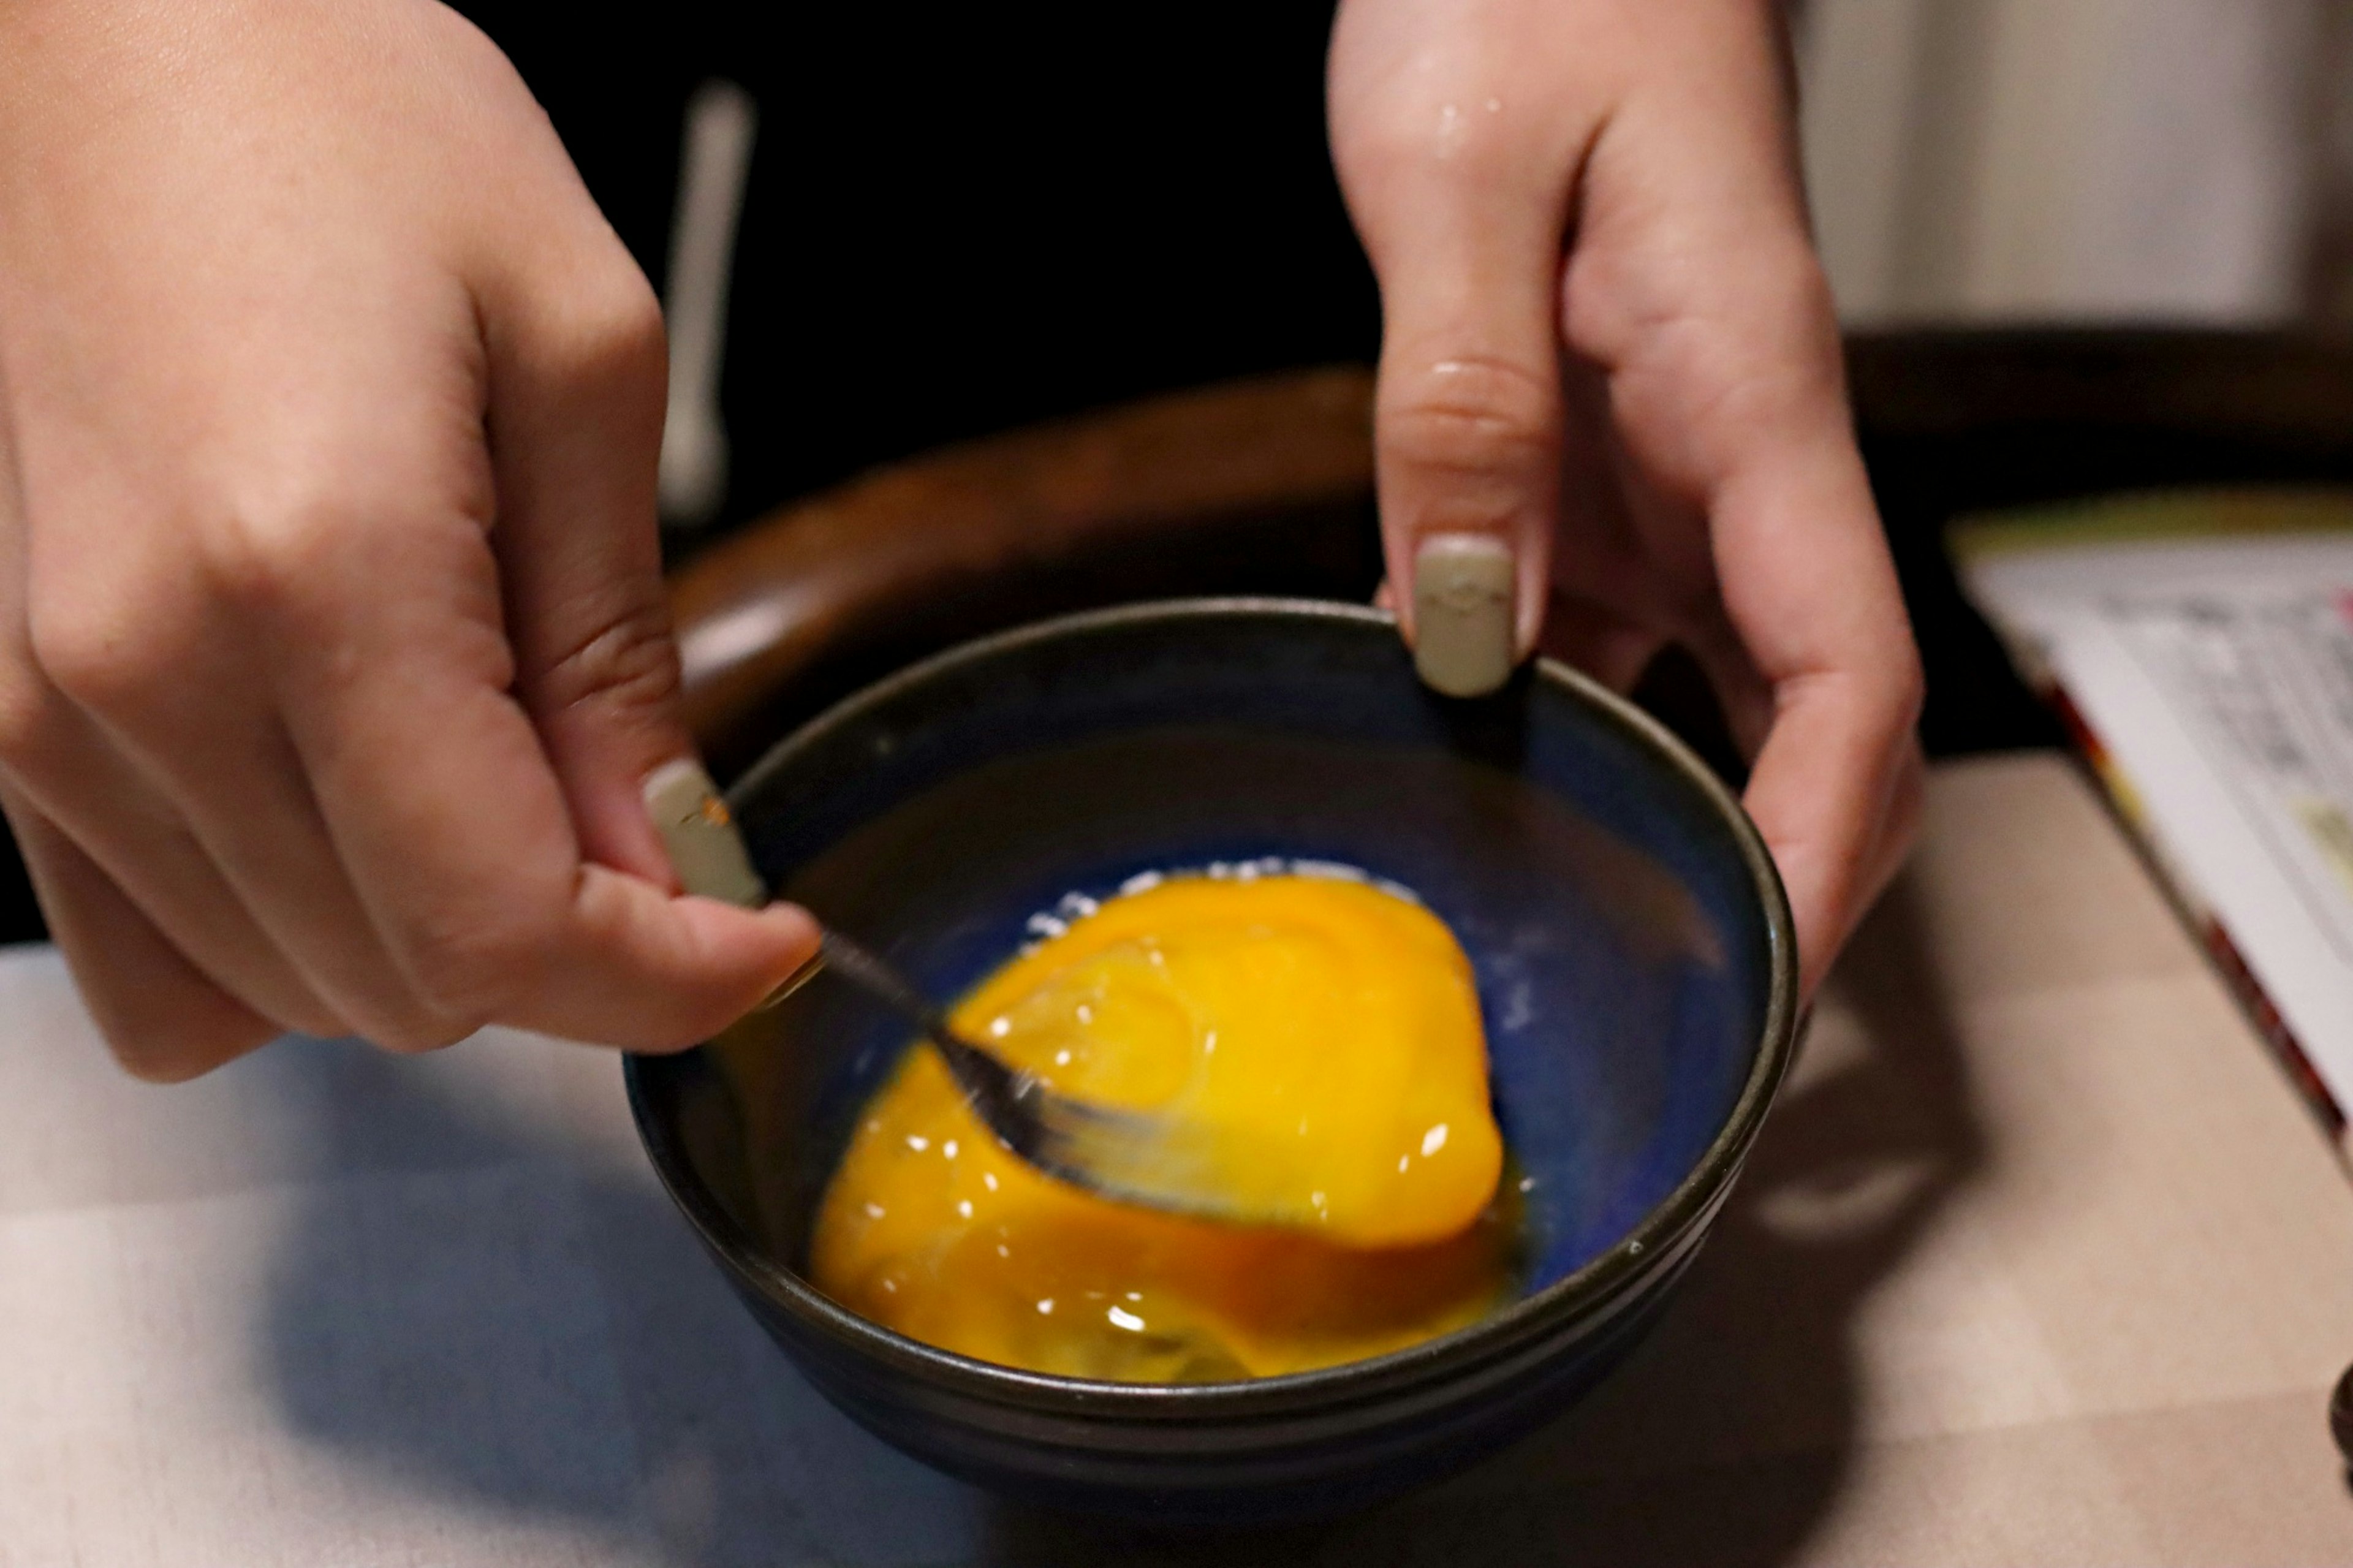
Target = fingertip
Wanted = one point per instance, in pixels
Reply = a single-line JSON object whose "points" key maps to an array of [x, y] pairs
{"points": [[163, 1019], [651, 970], [201, 1044], [778, 949], [732, 948], [788, 939], [795, 926], [1838, 840]]}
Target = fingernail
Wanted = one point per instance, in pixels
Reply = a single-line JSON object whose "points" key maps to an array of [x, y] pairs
{"points": [[1463, 599], [696, 827]]}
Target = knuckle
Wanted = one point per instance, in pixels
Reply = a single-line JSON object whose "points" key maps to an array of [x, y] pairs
{"points": [[1788, 365], [99, 650], [464, 973], [610, 332], [1904, 691], [1471, 415], [1755, 350], [1793, 287], [267, 561], [1913, 695], [630, 662]]}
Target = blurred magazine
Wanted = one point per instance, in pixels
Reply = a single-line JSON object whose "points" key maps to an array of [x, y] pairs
{"points": [[2198, 644]]}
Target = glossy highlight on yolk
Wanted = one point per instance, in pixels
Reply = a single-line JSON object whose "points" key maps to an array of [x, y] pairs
{"points": [[1322, 1020]]}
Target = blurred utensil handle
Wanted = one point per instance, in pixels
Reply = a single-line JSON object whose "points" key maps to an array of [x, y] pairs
{"points": [[722, 122]]}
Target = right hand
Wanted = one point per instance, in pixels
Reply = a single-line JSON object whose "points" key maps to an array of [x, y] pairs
{"points": [[332, 643], [1610, 368]]}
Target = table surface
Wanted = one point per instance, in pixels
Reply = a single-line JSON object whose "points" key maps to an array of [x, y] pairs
{"points": [[2038, 1261]]}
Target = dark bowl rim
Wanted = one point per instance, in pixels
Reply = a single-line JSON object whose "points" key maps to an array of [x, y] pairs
{"points": [[1590, 1293]]}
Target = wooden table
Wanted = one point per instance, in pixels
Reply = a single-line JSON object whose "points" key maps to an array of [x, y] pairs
{"points": [[2039, 1261]]}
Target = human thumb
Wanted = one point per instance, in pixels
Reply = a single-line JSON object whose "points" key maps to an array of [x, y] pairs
{"points": [[577, 392]]}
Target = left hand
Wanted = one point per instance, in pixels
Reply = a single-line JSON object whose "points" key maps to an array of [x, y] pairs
{"points": [[1611, 387]]}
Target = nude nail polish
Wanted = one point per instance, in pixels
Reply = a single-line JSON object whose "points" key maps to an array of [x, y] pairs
{"points": [[1463, 603], [704, 846]]}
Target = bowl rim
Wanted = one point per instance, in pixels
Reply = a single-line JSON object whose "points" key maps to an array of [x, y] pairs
{"points": [[1587, 1295]]}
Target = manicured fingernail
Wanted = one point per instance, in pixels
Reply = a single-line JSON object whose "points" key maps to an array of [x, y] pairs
{"points": [[704, 846], [1463, 597]]}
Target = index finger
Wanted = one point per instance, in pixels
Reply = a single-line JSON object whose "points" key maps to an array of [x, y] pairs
{"points": [[1692, 282], [447, 813]]}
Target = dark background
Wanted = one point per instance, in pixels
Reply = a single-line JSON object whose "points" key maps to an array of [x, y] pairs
{"points": [[964, 218]]}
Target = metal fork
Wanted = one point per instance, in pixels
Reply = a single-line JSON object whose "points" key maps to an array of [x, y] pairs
{"points": [[1165, 1163]]}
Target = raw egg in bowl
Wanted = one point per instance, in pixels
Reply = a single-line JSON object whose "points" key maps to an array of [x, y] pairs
{"points": [[1527, 945]]}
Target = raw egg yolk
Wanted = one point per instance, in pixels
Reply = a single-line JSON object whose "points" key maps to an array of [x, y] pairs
{"points": [[1327, 1026]]}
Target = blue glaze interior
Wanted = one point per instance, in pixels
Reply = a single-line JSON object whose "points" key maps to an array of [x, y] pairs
{"points": [[1622, 955]]}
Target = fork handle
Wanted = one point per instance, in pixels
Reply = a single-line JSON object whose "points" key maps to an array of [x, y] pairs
{"points": [[888, 986]]}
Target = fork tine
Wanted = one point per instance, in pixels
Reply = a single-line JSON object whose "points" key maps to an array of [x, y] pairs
{"points": [[1131, 1155]]}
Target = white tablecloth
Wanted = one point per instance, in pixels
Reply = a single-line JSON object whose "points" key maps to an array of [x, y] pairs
{"points": [[2039, 1261]]}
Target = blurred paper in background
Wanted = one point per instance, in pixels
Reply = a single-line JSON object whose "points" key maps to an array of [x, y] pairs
{"points": [[2201, 649]]}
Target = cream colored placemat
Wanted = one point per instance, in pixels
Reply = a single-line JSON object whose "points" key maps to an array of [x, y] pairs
{"points": [[2038, 1261]]}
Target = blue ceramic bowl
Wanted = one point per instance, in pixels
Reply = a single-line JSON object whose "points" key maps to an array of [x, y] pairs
{"points": [[1635, 963]]}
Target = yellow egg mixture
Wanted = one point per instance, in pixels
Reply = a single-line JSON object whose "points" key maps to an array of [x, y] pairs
{"points": [[1324, 1023]]}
